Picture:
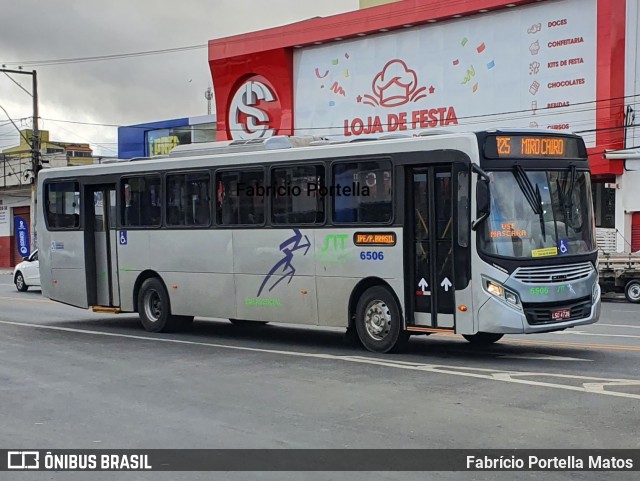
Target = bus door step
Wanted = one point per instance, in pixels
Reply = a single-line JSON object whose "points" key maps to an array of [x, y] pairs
{"points": [[103, 309]]}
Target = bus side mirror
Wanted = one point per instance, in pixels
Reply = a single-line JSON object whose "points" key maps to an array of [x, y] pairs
{"points": [[483, 196], [483, 200]]}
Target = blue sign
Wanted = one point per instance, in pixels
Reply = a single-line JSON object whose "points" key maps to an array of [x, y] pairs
{"points": [[563, 246], [123, 237], [22, 236]]}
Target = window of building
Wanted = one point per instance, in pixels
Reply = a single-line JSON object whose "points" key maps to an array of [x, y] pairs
{"points": [[240, 198], [141, 201], [63, 205], [188, 199], [362, 192], [298, 195]]}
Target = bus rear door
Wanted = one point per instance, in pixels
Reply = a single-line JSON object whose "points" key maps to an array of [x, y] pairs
{"points": [[101, 246]]}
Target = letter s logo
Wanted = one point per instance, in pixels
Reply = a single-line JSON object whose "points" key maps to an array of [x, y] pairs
{"points": [[250, 109]]}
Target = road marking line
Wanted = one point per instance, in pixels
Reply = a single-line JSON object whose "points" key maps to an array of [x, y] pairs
{"points": [[623, 310], [542, 357], [615, 325], [26, 299], [583, 333], [595, 386], [579, 345]]}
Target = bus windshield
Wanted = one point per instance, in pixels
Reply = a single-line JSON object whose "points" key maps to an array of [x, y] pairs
{"points": [[539, 214]]}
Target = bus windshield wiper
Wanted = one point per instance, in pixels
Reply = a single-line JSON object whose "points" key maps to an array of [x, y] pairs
{"points": [[569, 204], [531, 194]]}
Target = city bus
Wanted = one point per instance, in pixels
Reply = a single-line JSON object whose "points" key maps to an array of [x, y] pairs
{"points": [[480, 234]]}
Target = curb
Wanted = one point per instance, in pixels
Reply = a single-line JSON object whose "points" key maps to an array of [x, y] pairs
{"points": [[6, 272]]}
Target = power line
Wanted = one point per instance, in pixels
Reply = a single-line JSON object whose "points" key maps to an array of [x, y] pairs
{"points": [[11, 120], [97, 58], [469, 120]]}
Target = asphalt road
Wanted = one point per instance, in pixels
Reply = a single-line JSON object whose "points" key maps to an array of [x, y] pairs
{"points": [[70, 378]]}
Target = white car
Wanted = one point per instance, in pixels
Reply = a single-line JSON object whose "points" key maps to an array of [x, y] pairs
{"points": [[27, 273]]}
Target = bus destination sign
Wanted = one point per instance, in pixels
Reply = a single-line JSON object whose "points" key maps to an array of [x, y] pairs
{"points": [[374, 238], [531, 146]]}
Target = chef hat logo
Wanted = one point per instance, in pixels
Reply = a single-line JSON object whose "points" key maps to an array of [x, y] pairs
{"points": [[394, 85]]}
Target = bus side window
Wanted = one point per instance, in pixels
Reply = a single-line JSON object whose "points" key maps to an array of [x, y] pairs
{"points": [[239, 200], [297, 199], [187, 199], [142, 203], [63, 205], [363, 192]]}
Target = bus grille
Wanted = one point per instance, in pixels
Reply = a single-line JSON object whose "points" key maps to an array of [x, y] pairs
{"points": [[546, 274], [540, 313]]}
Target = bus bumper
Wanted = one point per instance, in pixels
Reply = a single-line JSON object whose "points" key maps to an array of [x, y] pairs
{"points": [[497, 317]]}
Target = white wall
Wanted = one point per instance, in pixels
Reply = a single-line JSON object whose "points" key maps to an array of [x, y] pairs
{"points": [[628, 196], [8, 202]]}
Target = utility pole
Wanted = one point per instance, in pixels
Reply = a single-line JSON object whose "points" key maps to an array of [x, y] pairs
{"points": [[35, 149], [35, 164]]}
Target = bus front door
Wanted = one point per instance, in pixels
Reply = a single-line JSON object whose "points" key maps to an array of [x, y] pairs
{"points": [[430, 278], [102, 255]]}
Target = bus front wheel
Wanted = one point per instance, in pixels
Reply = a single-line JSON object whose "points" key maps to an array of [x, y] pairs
{"points": [[483, 338], [154, 308], [378, 321]]}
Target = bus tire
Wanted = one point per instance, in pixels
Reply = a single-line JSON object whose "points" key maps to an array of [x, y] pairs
{"points": [[483, 338], [378, 321], [154, 307], [19, 282], [632, 291]]}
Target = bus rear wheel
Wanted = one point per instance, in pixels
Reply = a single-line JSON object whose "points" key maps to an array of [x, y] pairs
{"points": [[483, 338], [154, 308], [378, 321]]}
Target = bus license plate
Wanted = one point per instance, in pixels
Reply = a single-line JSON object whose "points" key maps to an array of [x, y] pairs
{"points": [[560, 314]]}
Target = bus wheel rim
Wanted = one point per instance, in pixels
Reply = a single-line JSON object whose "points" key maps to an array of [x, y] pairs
{"points": [[377, 320], [152, 305]]}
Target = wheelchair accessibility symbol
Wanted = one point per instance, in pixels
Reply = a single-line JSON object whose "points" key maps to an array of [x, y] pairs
{"points": [[563, 246], [123, 237]]}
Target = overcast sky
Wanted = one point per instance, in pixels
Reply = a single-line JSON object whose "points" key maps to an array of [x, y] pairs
{"points": [[124, 91]]}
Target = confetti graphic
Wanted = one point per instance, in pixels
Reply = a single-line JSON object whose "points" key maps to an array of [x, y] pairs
{"points": [[336, 88], [332, 74], [471, 76]]}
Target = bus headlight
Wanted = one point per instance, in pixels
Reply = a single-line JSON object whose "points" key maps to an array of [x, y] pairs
{"points": [[498, 290]]}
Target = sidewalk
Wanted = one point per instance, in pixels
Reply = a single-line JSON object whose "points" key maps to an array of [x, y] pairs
{"points": [[6, 271]]}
